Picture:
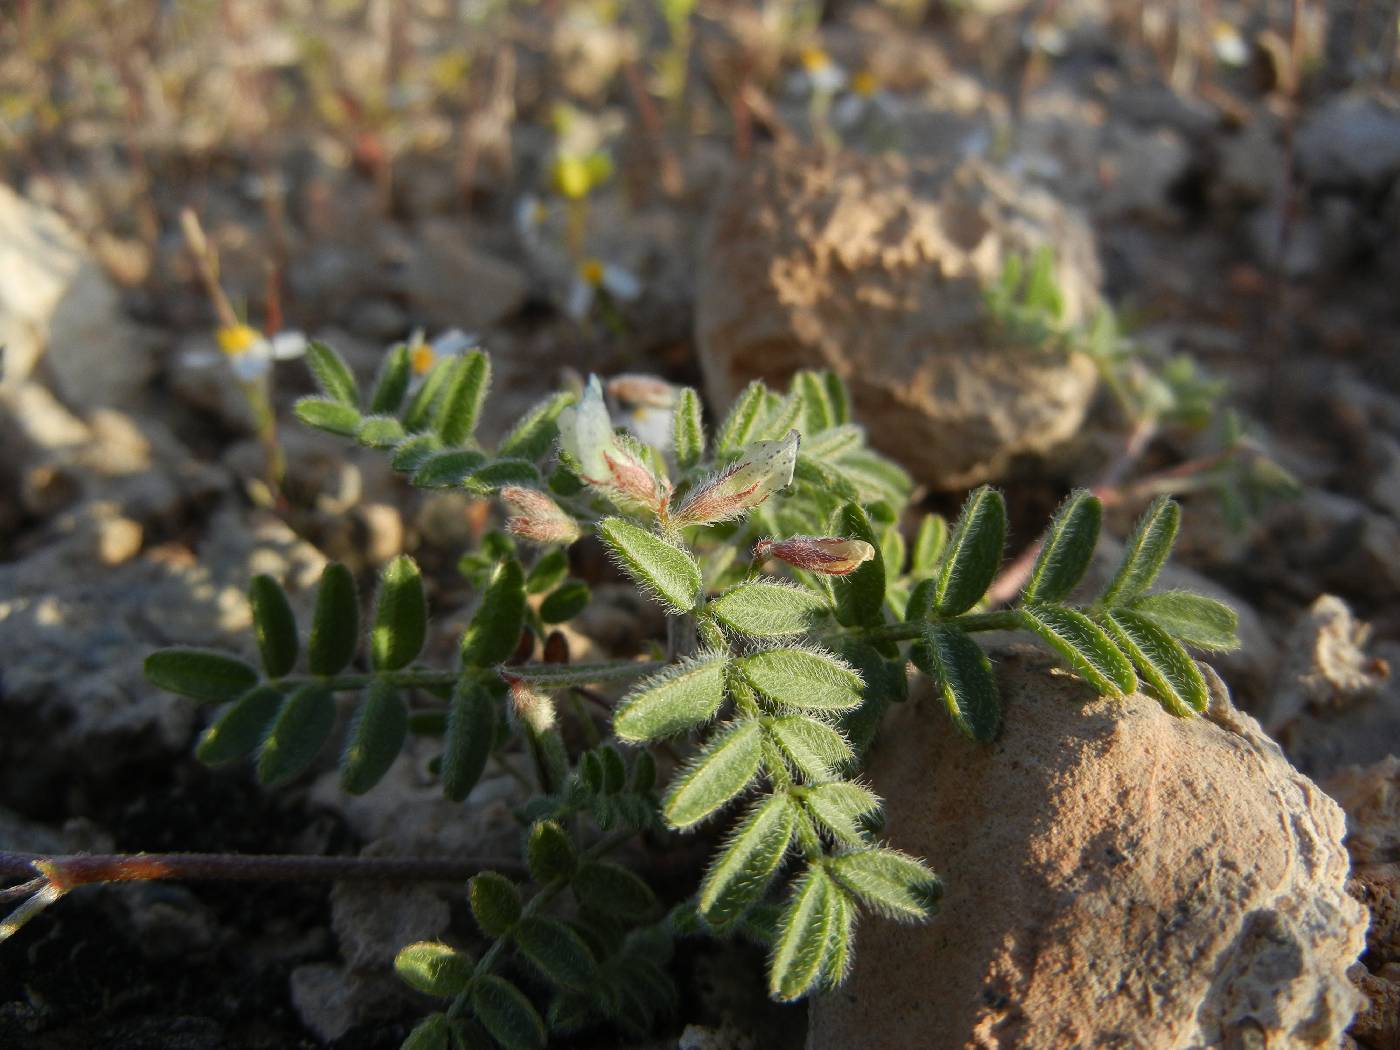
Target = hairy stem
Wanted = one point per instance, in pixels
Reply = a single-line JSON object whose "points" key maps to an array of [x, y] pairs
{"points": [[1005, 620]]}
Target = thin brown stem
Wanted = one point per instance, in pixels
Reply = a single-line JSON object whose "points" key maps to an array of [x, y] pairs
{"points": [[67, 872]]}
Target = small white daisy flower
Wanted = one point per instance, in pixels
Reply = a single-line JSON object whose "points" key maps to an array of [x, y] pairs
{"points": [[865, 99], [819, 75], [593, 276], [248, 352]]}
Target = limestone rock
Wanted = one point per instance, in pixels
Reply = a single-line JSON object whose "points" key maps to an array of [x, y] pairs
{"points": [[1352, 140], [875, 268], [1371, 797], [56, 303], [452, 284], [1327, 665], [1113, 877]]}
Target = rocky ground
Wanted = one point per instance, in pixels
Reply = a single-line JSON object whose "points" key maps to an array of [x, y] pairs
{"points": [[359, 172]]}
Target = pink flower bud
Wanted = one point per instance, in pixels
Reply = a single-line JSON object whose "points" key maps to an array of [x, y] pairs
{"points": [[767, 467], [632, 479], [529, 708], [537, 517], [830, 555]]}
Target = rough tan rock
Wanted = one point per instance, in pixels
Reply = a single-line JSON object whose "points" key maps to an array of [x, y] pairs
{"points": [[1113, 877], [57, 304], [875, 269], [1327, 665]]}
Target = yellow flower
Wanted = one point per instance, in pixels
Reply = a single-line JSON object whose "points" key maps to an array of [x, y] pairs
{"points": [[864, 83], [236, 339]]}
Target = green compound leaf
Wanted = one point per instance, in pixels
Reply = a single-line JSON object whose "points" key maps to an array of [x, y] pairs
{"points": [[548, 572], [741, 425], [334, 417], [1170, 674], [332, 374], [443, 470], [805, 679], [715, 775], [688, 430], [1067, 548], [400, 616], [392, 383], [743, 869], [655, 564], [200, 674], [680, 698], [534, 435], [504, 1011], [493, 476], [434, 968], [297, 735], [335, 625], [816, 750], [471, 730], [769, 609], [833, 442], [782, 416], [463, 394], [1192, 619], [837, 963], [1082, 645], [963, 675], [380, 432], [434, 1032], [420, 407], [860, 595], [889, 882], [842, 807], [929, 543], [804, 932], [817, 411], [1145, 554], [411, 453], [495, 628], [550, 853], [274, 626], [876, 477], [613, 890], [838, 396], [495, 903], [565, 602], [974, 552], [241, 728], [556, 951], [375, 740]]}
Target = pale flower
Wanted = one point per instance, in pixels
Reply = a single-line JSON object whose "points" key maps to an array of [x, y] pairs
{"points": [[248, 352], [594, 276], [603, 460], [766, 467], [865, 99], [535, 516], [646, 405], [819, 75]]}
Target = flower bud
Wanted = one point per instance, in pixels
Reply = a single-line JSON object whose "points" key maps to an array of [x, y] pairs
{"points": [[766, 468], [830, 555], [534, 516], [586, 434], [604, 460], [529, 708]]}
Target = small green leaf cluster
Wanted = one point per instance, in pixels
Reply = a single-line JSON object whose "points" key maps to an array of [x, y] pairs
{"points": [[549, 969], [775, 543]]}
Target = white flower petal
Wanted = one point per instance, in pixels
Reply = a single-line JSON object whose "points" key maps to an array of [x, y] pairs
{"points": [[452, 342], [286, 345], [251, 365], [620, 283], [580, 300], [848, 110], [201, 358], [586, 432]]}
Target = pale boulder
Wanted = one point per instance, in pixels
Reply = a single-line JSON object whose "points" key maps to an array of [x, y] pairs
{"points": [[1113, 876], [57, 305], [875, 268]]}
